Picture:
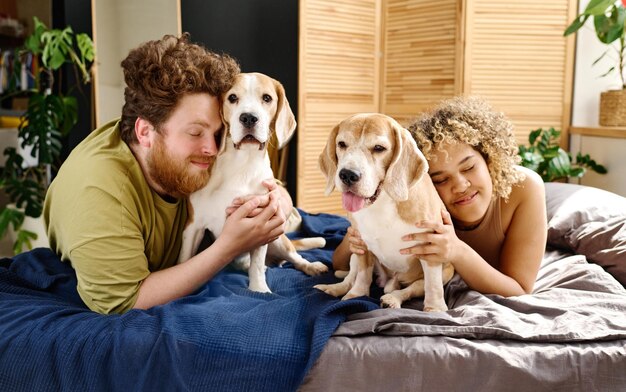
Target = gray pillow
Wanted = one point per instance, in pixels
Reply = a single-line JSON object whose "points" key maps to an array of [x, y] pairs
{"points": [[591, 222]]}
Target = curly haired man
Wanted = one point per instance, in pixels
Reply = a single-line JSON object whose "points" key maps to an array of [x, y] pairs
{"points": [[117, 207]]}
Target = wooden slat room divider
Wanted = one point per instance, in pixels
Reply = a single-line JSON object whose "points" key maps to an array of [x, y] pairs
{"points": [[400, 57]]}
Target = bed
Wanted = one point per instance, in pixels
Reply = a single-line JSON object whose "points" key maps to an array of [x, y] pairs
{"points": [[570, 334]]}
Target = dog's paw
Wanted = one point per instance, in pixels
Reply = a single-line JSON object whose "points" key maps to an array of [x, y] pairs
{"points": [[390, 301], [355, 294], [435, 306], [259, 287], [336, 290], [315, 268]]}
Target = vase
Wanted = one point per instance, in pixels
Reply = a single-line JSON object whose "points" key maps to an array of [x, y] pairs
{"points": [[613, 108]]}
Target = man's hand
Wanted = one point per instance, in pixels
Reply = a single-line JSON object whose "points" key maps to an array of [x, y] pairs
{"points": [[244, 230], [264, 199]]}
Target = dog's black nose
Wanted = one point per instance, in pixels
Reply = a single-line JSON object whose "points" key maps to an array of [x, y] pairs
{"points": [[248, 119], [349, 177]]}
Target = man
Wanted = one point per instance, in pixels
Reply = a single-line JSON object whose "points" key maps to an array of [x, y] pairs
{"points": [[117, 208]]}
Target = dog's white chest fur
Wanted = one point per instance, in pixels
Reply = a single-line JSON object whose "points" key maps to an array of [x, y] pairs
{"points": [[382, 228], [236, 173]]}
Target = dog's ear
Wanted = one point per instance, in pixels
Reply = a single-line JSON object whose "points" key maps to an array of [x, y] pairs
{"points": [[284, 120], [408, 165], [328, 160], [225, 129]]}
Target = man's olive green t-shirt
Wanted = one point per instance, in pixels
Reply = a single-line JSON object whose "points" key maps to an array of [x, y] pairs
{"points": [[103, 218]]}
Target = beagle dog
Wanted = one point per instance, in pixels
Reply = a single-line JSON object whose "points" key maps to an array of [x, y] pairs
{"points": [[253, 108], [385, 187]]}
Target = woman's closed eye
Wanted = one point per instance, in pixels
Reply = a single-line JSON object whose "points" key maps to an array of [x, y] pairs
{"points": [[439, 180]]}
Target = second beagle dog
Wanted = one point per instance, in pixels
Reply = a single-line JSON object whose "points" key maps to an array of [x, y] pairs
{"points": [[385, 187], [255, 106]]}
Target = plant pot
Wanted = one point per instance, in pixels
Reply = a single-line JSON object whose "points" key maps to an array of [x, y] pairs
{"points": [[613, 108]]}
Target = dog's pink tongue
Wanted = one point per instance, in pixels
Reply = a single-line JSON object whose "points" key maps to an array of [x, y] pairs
{"points": [[352, 202]]}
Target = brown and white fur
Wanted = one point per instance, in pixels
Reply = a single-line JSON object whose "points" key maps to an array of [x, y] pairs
{"points": [[255, 106], [383, 178]]}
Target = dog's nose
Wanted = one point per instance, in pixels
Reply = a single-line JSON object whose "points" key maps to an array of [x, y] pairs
{"points": [[248, 119], [349, 177]]}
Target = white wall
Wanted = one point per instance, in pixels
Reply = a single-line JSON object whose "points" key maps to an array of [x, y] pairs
{"points": [[119, 26], [587, 81], [588, 84]]}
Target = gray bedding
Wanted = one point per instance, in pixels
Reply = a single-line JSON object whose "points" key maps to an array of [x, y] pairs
{"points": [[569, 335]]}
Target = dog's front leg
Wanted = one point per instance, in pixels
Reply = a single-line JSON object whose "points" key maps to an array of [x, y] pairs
{"points": [[341, 288], [433, 287], [256, 272], [192, 236], [364, 275]]}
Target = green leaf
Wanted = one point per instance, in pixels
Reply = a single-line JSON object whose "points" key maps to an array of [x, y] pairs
{"points": [[69, 106], [577, 172], [23, 241], [576, 24], [534, 135], [10, 217], [559, 166], [600, 58], [598, 7], [586, 161], [85, 46], [609, 28], [47, 119]]}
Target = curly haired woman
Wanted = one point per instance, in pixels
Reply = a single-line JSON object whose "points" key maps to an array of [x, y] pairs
{"points": [[116, 210], [495, 229]]}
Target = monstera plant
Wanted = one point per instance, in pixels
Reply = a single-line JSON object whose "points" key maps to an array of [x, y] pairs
{"points": [[49, 117]]}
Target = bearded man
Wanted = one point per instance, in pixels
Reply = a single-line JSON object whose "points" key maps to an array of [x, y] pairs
{"points": [[117, 208]]}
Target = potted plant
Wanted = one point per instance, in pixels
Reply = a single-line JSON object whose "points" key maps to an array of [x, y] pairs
{"points": [[50, 116], [546, 157], [609, 17]]}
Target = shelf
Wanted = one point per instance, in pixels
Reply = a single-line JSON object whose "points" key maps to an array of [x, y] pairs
{"points": [[10, 42], [614, 132]]}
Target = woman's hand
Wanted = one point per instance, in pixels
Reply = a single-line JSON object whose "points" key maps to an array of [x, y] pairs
{"points": [[357, 245], [438, 243]]}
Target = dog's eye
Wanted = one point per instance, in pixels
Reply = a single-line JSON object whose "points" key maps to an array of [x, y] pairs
{"points": [[267, 98], [378, 148], [232, 98], [341, 145]]}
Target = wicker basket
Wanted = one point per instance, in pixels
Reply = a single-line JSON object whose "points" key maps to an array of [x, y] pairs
{"points": [[613, 108]]}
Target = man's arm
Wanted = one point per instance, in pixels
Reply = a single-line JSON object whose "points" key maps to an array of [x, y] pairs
{"points": [[241, 233]]}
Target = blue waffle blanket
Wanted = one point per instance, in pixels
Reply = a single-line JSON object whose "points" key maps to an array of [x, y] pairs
{"points": [[222, 338]]}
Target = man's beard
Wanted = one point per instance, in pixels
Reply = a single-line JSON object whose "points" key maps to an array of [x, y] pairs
{"points": [[174, 176]]}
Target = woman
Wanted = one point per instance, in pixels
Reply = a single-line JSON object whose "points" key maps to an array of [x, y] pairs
{"points": [[495, 230]]}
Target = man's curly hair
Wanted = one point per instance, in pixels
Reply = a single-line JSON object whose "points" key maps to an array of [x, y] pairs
{"points": [[159, 73], [473, 121]]}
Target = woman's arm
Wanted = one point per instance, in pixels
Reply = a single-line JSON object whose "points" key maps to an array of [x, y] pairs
{"points": [[351, 243], [521, 254]]}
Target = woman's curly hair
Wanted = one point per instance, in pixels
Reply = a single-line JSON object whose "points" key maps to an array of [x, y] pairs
{"points": [[473, 121], [159, 73]]}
